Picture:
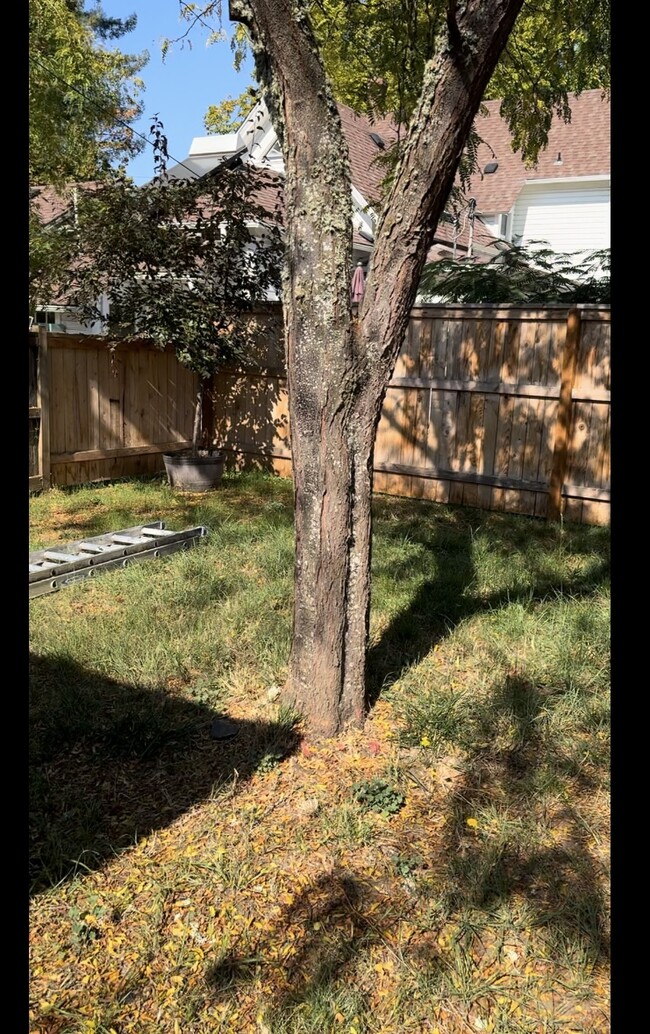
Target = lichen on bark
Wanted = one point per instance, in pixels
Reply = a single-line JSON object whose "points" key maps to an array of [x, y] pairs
{"points": [[339, 364]]}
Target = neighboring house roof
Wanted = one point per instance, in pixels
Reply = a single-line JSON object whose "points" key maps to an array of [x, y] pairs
{"points": [[583, 144], [366, 166], [49, 203]]}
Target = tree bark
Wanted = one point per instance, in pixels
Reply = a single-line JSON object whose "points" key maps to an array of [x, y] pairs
{"points": [[339, 365], [196, 426]]}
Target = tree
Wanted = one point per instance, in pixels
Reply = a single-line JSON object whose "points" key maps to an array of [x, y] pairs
{"points": [[82, 99], [177, 259], [339, 363], [227, 116], [82, 95], [529, 275]]}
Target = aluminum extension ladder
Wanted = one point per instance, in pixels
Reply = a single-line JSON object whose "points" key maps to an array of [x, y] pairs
{"points": [[52, 569]]}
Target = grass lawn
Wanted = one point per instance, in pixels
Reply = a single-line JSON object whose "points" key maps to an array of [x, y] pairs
{"points": [[444, 870]]}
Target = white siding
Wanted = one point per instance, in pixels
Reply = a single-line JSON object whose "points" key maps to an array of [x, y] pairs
{"points": [[494, 223], [570, 216]]}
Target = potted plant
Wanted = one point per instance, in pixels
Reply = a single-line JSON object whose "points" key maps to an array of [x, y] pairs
{"points": [[183, 261]]}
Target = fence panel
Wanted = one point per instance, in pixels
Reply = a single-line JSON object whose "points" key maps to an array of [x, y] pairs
{"points": [[499, 407], [114, 413], [491, 406]]}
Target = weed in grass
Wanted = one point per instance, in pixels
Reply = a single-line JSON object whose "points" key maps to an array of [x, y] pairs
{"points": [[378, 795], [323, 1009], [269, 761], [346, 824], [406, 865], [86, 921]]}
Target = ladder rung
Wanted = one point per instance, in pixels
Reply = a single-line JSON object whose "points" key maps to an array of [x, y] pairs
{"points": [[128, 540], [61, 558]]}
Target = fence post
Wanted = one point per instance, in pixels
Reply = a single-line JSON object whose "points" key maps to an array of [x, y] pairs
{"points": [[44, 403], [564, 414]]}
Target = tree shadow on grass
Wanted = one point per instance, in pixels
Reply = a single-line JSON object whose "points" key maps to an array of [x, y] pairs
{"points": [[510, 887], [517, 881], [560, 882], [330, 924], [111, 762], [442, 602]]}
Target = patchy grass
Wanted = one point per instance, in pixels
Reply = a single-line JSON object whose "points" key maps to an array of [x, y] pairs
{"points": [[186, 884]]}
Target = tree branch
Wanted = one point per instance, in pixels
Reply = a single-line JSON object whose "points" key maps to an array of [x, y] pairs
{"points": [[453, 86]]}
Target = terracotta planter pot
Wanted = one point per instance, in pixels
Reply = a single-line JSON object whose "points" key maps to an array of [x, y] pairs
{"points": [[190, 473]]}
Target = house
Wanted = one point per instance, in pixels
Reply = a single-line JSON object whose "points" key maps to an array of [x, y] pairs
{"points": [[564, 199], [50, 205], [256, 142]]}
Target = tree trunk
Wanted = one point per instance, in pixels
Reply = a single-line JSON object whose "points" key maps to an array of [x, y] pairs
{"points": [[339, 366], [196, 428], [332, 466]]}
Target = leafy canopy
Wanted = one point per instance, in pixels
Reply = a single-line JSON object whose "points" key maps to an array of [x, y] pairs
{"points": [[375, 52], [529, 275], [231, 112], [177, 258], [82, 95]]}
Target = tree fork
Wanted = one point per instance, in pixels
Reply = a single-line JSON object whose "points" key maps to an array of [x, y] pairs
{"points": [[338, 365]]}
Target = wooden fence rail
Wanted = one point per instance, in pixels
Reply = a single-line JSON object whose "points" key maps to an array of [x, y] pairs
{"points": [[490, 406], [500, 407]]}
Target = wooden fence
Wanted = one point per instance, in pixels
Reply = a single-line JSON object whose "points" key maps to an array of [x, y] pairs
{"points": [[113, 413], [503, 408], [39, 428]]}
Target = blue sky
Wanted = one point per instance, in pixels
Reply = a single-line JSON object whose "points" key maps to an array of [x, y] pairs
{"points": [[182, 87]]}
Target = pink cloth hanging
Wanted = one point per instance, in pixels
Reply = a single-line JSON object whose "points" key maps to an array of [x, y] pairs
{"points": [[358, 283]]}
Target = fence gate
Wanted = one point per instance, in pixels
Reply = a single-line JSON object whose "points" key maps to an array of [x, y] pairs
{"points": [[39, 423]]}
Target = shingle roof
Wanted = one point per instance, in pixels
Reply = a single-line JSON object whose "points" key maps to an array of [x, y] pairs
{"points": [[584, 144], [50, 204], [269, 189], [367, 170]]}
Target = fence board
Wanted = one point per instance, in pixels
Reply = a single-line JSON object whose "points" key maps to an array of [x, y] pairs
{"points": [[504, 434], [510, 356], [471, 414], [425, 364]]}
